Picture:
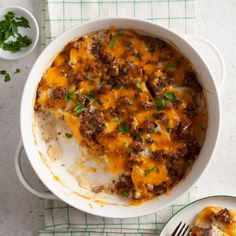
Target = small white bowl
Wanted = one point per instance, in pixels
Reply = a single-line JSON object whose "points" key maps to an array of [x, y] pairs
{"points": [[32, 32]]}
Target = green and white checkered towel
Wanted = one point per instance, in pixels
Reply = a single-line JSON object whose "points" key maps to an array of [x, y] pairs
{"points": [[59, 15]]}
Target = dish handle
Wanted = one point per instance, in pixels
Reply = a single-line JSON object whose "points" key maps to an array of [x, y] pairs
{"points": [[23, 180], [211, 56]]}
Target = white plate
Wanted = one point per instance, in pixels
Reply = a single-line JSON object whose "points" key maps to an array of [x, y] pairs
{"points": [[188, 213]]}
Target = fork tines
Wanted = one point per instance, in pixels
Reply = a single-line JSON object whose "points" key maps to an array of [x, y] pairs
{"points": [[181, 230]]}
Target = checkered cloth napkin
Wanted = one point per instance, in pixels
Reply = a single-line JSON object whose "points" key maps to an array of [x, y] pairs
{"points": [[58, 16]]}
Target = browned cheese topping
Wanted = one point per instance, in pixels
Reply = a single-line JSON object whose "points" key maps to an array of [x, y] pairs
{"points": [[132, 99], [214, 220]]}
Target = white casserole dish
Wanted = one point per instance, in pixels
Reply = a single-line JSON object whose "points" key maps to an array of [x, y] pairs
{"points": [[27, 120]]}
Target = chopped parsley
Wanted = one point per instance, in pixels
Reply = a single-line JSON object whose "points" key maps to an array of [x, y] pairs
{"points": [[125, 194], [148, 171], [202, 128], [119, 86], [68, 96], [137, 135], [138, 81], [112, 42], [116, 36], [17, 45], [138, 55], [139, 90], [116, 119], [101, 79], [111, 81], [169, 96], [9, 29], [3, 72], [89, 78], [156, 129], [123, 128], [79, 108], [160, 103], [17, 71], [68, 135], [100, 102], [7, 76], [91, 99], [169, 128], [77, 92], [170, 65], [125, 144]]}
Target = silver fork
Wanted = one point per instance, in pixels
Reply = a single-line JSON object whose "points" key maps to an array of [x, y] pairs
{"points": [[181, 230]]}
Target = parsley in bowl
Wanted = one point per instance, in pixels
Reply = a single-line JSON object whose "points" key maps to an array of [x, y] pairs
{"points": [[18, 32]]}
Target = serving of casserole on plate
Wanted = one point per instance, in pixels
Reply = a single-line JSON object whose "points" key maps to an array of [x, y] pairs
{"points": [[131, 104], [214, 220], [214, 215]]}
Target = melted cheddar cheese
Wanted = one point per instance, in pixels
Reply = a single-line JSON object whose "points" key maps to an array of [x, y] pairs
{"points": [[132, 100], [215, 221]]}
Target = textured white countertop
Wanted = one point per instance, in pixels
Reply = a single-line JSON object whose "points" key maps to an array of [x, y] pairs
{"points": [[21, 212]]}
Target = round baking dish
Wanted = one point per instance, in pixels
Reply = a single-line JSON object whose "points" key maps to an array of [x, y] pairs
{"points": [[33, 150]]}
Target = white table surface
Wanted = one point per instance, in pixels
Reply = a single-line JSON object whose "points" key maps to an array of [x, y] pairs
{"points": [[21, 212]]}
